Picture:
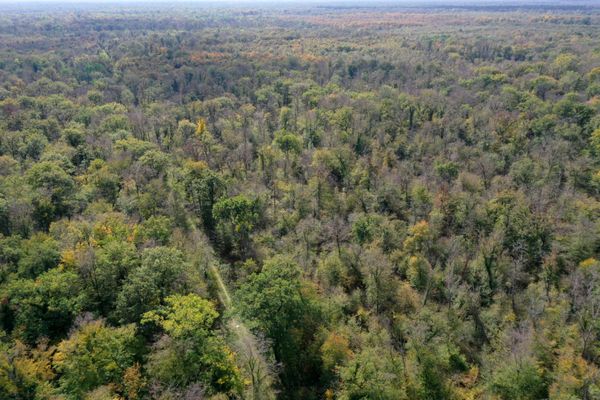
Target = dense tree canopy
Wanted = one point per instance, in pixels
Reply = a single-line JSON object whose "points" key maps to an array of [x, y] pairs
{"points": [[300, 202]]}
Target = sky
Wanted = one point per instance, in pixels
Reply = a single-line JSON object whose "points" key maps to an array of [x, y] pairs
{"points": [[456, 2]]}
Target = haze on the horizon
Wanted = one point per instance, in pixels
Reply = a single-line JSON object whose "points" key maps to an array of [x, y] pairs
{"points": [[300, 2]]}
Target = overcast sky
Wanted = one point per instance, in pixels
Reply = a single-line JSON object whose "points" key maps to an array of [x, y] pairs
{"points": [[515, 2]]}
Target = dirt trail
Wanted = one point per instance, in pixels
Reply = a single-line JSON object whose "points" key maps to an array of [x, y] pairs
{"points": [[247, 347]]}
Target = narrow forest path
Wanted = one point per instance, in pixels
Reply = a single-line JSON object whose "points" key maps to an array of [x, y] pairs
{"points": [[249, 349], [223, 292]]}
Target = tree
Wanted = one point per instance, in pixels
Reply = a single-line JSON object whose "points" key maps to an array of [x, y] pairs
{"points": [[205, 139], [519, 381], [289, 144], [365, 228], [335, 352], [273, 302], [26, 373], [585, 304], [41, 252], [156, 229], [159, 275], [105, 182], [191, 352], [103, 271], [448, 171], [45, 307], [95, 355], [54, 190], [236, 218], [204, 188], [431, 378], [371, 375], [379, 280]]}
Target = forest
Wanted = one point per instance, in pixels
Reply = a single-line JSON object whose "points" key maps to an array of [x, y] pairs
{"points": [[299, 202]]}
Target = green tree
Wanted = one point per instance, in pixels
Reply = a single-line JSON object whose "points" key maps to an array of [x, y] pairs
{"points": [[160, 274], [273, 302], [371, 375], [40, 253], [192, 352], [289, 144], [105, 182], [448, 171], [204, 188], [94, 355], [54, 190], [44, 307], [103, 271], [520, 381], [236, 219]]}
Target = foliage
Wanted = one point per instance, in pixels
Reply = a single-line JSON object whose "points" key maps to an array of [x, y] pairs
{"points": [[191, 353], [357, 202], [94, 355]]}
